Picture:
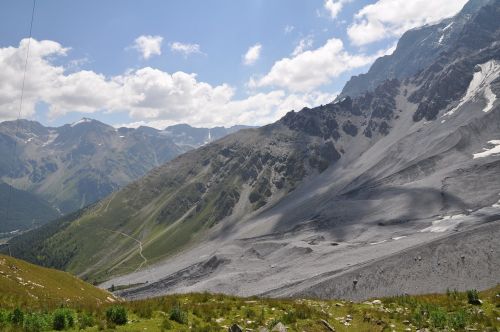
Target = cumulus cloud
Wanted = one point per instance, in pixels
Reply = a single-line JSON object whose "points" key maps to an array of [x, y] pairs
{"points": [[391, 18], [333, 7], [185, 49], [148, 45], [148, 95], [252, 55], [313, 68], [303, 44]]}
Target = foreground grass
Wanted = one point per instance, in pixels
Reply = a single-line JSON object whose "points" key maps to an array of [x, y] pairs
{"points": [[453, 311]]}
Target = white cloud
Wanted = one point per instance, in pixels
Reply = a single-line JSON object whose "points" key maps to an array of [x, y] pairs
{"points": [[148, 45], [288, 29], [252, 55], [147, 95], [391, 18], [185, 49], [303, 45], [313, 68], [333, 7]]}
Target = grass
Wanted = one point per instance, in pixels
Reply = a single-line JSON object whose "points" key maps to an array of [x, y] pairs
{"points": [[30, 286], [205, 312]]}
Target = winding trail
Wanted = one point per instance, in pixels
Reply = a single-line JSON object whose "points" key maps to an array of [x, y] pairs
{"points": [[144, 259]]}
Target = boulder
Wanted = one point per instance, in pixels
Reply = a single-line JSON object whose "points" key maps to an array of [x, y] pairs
{"points": [[235, 328], [279, 328]]}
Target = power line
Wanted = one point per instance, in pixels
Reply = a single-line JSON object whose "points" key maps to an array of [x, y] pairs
{"points": [[9, 201]]}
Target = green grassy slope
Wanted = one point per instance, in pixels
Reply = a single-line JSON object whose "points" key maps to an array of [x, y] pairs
{"points": [[26, 210], [27, 285], [204, 312]]}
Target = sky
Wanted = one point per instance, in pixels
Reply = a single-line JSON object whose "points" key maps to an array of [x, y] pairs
{"points": [[205, 63]]}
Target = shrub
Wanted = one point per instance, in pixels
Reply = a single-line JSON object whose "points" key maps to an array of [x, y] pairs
{"points": [[16, 317], [63, 319], [458, 320], [438, 318], [85, 320], [418, 318], [178, 315], [289, 317], [35, 323], [166, 324], [4, 318], [473, 297], [116, 315]]}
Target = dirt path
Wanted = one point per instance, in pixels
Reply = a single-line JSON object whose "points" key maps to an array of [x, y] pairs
{"points": [[144, 259]]}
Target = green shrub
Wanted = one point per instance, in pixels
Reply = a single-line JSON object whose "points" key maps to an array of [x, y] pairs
{"points": [[458, 320], [85, 320], [116, 315], [17, 317], [418, 318], [178, 315], [36, 322], [4, 318], [473, 297], [63, 319], [166, 324], [438, 318], [250, 313], [289, 317]]}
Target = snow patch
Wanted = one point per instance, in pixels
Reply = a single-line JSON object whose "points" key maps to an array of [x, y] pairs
{"points": [[489, 152], [398, 237], [447, 27], [52, 137], [83, 120], [443, 224], [379, 242], [480, 86]]}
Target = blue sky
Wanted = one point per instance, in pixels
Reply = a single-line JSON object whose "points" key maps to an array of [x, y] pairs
{"points": [[92, 64]]}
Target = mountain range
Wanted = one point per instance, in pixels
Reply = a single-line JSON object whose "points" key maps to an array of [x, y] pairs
{"points": [[392, 188], [58, 170]]}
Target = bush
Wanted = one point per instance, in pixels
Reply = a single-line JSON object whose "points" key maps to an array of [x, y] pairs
{"points": [[473, 297], [458, 320], [166, 324], [36, 323], [85, 320], [178, 315], [116, 315], [438, 318], [4, 318], [63, 319], [16, 317]]}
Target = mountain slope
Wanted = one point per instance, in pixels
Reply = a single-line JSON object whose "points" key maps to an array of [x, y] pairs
{"points": [[318, 192], [417, 49], [21, 210], [78, 164], [34, 286]]}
